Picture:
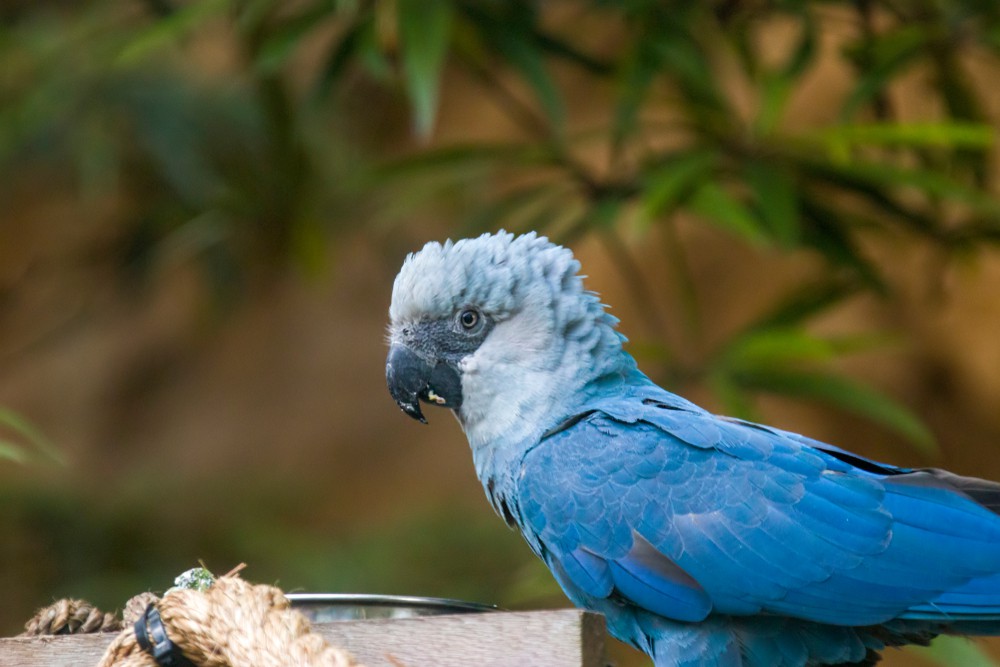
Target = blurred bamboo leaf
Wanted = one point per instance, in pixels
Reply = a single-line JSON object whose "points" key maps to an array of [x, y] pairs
{"points": [[775, 191], [762, 348], [671, 181], [841, 392], [880, 60], [26, 437], [638, 71], [424, 31], [12, 452], [599, 216], [828, 231], [949, 651], [507, 209], [284, 38], [777, 83], [168, 30], [357, 37], [880, 181], [715, 204], [804, 302], [838, 138], [459, 160], [640, 67], [684, 59], [776, 354], [509, 31]]}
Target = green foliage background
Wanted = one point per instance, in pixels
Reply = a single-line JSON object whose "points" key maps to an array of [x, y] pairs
{"points": [[625, 125]]}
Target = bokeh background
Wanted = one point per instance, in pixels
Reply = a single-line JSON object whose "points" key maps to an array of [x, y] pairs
{"points": [[792, 207]]}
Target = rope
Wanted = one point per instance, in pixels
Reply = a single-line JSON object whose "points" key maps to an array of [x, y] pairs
{"points": [[232, 624], [67, 617]]}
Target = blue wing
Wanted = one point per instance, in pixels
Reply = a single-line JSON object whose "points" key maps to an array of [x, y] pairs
{"points": [[684, 514]]}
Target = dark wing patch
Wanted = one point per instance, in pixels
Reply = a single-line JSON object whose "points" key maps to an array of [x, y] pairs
{"points": [[984, 492], [654, 582]]}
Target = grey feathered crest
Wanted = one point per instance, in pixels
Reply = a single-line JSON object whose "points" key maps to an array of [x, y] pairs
{"points": [[497, 272]]}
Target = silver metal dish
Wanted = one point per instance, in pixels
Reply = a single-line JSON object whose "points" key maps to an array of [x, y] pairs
{"points": [[328, 607]]}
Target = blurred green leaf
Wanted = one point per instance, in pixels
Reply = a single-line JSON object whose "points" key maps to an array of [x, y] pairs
{"points": [[776, 84], [344, 50], [714, 203], [462, 157], [424, 32], [637, 74], [762, 348], [955, 87], [881, 183], [523, 202], [567, 51], [734, 401], [28, 436], [949, 651], [891, 54], [803, 55], [600, 215], [683, 58], [528, 59], [11, 451], [284, 38], [841, 392], [805, 302], [510, 31], [838, 138], [639, 68], [774, 91], [776, 194], [168, 30], [668, 183], [829, 232]]}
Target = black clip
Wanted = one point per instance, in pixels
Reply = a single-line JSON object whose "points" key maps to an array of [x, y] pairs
{"points": [[152, 638]]}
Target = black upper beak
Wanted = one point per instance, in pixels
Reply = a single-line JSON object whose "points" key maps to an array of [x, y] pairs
{"points": [[412, 379]]}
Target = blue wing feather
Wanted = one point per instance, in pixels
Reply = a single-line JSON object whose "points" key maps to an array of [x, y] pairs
{"points": [[656, 583], [684, 514]]}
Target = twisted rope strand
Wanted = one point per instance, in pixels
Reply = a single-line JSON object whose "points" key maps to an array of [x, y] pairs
{"points": [[66, 617], [232, 624]]}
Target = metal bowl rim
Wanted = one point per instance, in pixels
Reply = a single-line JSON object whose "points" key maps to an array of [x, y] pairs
{"points": [[372, 600]]}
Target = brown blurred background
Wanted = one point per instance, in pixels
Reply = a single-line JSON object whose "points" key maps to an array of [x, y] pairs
{"points": [[203, 206]]}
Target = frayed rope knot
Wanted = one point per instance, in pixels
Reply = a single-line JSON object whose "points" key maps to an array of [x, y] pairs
{"points": [[230, 624], [68, 617]]}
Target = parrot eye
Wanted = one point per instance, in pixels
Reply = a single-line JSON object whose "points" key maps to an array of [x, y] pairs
{"points": [[469, 319]]}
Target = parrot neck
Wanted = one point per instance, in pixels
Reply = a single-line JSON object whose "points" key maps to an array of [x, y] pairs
{"points": [[526, 403], [498, 460], [537, 367]]}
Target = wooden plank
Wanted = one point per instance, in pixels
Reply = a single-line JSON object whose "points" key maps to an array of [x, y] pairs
{"points": [[557, 638]]}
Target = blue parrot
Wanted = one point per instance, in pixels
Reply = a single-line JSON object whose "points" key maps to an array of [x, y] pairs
{"points": [[703, 540]]}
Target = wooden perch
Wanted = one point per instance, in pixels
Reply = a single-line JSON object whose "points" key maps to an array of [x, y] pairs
{"points": [[557, 638]]}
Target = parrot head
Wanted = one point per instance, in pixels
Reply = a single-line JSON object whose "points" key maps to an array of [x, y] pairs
{"points": [[496, 328]]}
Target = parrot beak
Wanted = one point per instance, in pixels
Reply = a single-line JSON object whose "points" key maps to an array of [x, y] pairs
{"points": [[411, 379]]}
